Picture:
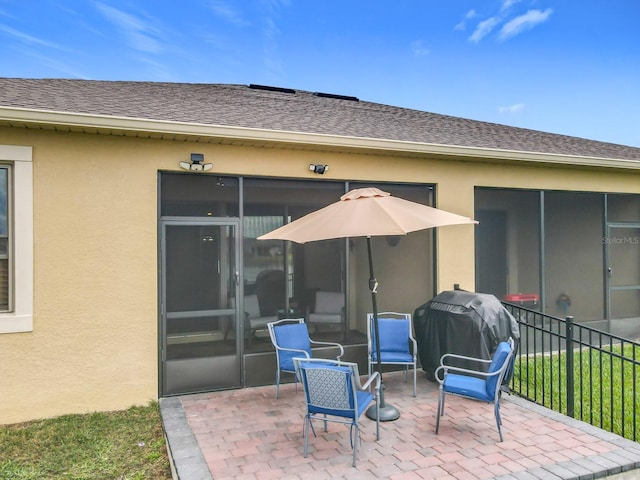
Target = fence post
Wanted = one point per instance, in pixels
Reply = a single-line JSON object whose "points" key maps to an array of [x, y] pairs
{"points": [[570, 378]]}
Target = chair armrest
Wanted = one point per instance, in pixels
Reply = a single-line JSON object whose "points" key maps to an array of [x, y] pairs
{"points": [[461, 357], [447, 368], [304, 352], [331, 344], [374, 376], [415, 346]]}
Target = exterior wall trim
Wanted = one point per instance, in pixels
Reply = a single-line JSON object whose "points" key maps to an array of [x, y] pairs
{"points": [[111, 124], [21, 319]]}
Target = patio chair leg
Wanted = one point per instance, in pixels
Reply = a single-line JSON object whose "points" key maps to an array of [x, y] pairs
{"points": [[307, 424], [353, 432], [498, 419], [440, 410], [377, 417], [414, 381], [277, 381], [355, 445]]}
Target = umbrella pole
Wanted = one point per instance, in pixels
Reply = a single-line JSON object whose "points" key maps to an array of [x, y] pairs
{"points": [[387, 412]]}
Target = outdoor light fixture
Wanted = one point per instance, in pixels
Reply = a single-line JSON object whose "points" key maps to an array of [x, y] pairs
{"points": [[319, 169], [196, 165]]}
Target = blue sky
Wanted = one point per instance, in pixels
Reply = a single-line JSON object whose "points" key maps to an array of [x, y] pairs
{"points": [[561, 66]]}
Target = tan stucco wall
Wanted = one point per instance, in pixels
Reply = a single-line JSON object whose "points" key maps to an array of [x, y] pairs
{"points": [[93, 344], [94, 341]]}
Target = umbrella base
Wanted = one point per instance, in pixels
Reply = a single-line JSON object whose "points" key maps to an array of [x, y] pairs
{"points": [[388, 413]]}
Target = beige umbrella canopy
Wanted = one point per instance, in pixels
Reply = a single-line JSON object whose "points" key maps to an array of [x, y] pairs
{"points": [[367, 212]]}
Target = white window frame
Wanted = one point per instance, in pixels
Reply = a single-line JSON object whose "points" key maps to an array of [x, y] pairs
{"points": [[21, 230]]}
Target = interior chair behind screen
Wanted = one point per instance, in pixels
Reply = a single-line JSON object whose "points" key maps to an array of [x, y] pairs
{"points": [[474, 384], [254, 320], [290, 337], [328, 310], [333, 393], [271, 291], [397, 344]]}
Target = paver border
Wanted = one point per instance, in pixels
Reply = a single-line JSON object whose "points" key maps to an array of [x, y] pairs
{"points": [[186, 458]]}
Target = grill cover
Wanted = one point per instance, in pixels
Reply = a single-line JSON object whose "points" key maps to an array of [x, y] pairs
{"points": [[464, 323]]}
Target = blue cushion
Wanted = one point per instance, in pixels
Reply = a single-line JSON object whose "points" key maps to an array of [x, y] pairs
{"points": [[294, 336], [499, 357], [473, 387], [393, 357], [394, 340], [325, 387], [363, 398]]}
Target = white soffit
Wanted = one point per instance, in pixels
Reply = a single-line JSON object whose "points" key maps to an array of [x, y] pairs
{"points": [[226, 134]]}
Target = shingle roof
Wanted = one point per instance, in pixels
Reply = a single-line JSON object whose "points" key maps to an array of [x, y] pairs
{"points": [[288, 110]]}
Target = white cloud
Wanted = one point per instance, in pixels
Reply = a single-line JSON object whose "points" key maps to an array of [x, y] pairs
{"points": [[507, 3], [463, 24], [419, 49], [511, 28], [26, 38], [50, 62], [518, 107], [228, 13], [271, 34], [483, 29], [140, 33], [276, 3], [523, 23]]}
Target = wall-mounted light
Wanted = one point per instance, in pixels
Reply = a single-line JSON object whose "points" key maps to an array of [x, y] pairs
{"points": [[319, 169], [195, 164]]}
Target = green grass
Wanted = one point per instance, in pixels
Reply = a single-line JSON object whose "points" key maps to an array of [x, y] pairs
{"points": [[606, 387], [127, 444]]}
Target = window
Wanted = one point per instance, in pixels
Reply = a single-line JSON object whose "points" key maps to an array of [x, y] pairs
{"points": [[5, 294], [16, 239]]}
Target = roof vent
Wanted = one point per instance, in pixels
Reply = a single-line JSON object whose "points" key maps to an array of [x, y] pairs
{"points": [[338, 97], [271, 89]]}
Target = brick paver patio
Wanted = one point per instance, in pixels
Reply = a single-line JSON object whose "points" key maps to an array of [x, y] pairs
{"points": [[248, 434]]}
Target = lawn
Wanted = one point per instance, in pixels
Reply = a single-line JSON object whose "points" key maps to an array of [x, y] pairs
{"points": [[606, 386], [124, 445]]}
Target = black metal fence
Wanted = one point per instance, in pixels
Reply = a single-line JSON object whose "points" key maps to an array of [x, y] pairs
{"points": [[582, 372]]}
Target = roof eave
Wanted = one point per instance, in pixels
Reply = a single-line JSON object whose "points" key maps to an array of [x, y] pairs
{"points": [[110, 124]]}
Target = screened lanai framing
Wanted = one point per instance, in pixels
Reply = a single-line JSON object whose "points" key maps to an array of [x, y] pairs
{"points": [[278, 279], [579, 252]]}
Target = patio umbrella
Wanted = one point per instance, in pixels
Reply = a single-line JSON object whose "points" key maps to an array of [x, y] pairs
{"points": [[367, 212]]}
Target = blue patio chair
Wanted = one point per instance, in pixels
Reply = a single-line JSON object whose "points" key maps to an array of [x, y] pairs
{"points": [[397, 344], [474, 384], [334, 393], [290, 337]]}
